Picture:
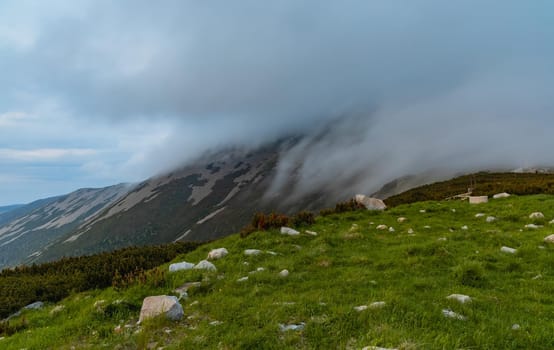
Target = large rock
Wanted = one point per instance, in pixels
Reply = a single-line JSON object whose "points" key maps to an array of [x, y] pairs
{"points": [[180, 266], [370, 203], [536, 215], [218, 253], [549, 239], [161, 305]]}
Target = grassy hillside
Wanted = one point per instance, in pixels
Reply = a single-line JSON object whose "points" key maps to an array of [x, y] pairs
{"points": [[349, 263], [483, 183]]}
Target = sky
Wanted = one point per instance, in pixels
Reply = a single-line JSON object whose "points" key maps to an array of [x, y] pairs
{"points": [[101, 92]]}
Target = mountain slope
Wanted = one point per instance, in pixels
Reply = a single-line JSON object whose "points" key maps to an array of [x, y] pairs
{"points": [[26, 230], [8, 208], [203, 201], [349, 264]]}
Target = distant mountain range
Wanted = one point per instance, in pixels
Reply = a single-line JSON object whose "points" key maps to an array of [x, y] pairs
{"points": [[8, 208]]}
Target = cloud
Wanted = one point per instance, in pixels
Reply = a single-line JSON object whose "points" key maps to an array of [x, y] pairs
{"points": [[380, 88]]}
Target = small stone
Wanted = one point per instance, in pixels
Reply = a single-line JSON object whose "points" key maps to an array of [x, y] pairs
{"points": [[551, 222], [541, 247], [391, 229], [291, 327], [441, 239], [377, 305], [549, 239], [509, 250], [479, 215], [242, 279], [453, 210], [180, 266], [289, 231], [270, 252], [284, 273], [464, 227], [422, 211], [252, 252], [401, 219], [57, 309], [536, 215], [539, 276], [461, 298], [532, 226], [516, 327], [205, 265], [215, 323], [382, 227], [490, 219], [312, 233], [410, 231], [451, 314], [478, 199], [501, 195], [427, 227], [360, 308]]}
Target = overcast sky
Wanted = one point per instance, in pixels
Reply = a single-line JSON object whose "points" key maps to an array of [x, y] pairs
{"points": [[99, 92]]}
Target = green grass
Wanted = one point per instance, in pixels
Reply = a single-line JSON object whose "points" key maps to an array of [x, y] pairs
{"points": [[349, 263]]}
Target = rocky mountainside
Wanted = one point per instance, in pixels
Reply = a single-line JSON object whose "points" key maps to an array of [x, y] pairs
{"points": [[27, 230], [210, 198], [7, 208]]}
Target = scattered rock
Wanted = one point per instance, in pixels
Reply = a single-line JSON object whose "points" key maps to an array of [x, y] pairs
{"points": [[180, 266], [441, 239], [270, 252], [536, 215], [451, 314], [410, 231], [161, 304], [360, 308], [215, 323], [312, 233], [427, 227], [533, 226], [205, 265], [377, 305], [422, 211], [37, 305], [370, 203], [289, 231], [242, 279], [291, 327], [382, 227], [252, 252], [218, 253], [391, 229], [401, 219], [501, 195], [491, 218], [541, 247], [461, 298], [453, 210], [284, 273], [479, 215], [539, 276], [509, 250], [516, 327], [478, 199], [182, 290], [551, 222], [549, 239], [464, 227], [259, 269]]}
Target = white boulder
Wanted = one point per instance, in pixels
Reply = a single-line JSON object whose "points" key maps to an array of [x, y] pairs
{"points": [[161, 305], [377, 305], [391, 229], [289, 231], [501, 195], [382, 227], [243, 279], [401, 219], [180, 266], [218, 253], [360, 308], [533, 226], [549, 239], [311, 233], [536, 215], [491, 219], [291, 327], [284, 273], [464, 227], [252, 252], [205, 265], [479, 215], [509, 250], [461, 298], [370, 203]]}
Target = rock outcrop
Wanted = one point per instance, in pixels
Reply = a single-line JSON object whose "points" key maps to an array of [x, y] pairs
{"points": [[161, 305], [370, 203]]}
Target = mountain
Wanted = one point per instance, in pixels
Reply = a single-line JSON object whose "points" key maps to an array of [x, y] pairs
{"points": [[210, 198], [8, 208], [26, 230]]}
